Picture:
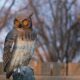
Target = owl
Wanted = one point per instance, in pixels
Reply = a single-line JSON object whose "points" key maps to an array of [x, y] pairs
{"points": [[19, 45]]}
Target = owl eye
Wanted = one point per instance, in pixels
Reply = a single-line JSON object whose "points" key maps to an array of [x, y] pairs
{"points": [[16, 22], [26, 23]]}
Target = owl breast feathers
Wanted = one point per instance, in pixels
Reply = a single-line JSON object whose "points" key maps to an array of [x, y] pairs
{"points": [[18, 51]]}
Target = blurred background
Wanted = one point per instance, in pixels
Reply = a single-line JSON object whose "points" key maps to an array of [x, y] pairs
{"points": [[57, 23]]}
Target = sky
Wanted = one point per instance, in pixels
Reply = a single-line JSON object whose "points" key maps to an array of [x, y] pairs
{"points": [[18, 4]]}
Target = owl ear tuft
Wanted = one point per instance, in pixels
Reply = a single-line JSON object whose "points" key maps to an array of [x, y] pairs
{"points": [[30, 16]]}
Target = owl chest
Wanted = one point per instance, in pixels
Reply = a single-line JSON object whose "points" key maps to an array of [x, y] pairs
{"points": [[21, 53], [21, 47]]}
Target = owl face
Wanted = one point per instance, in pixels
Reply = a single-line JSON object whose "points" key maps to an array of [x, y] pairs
{"points": [[24, 24]]}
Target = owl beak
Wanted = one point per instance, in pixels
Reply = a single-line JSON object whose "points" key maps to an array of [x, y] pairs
{"points": [[20, 26]]}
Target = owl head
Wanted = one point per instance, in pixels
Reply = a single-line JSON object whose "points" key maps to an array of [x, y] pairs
{"points": [[23, 23]]}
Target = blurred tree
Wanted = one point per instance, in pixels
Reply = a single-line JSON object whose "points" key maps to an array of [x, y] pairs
{"points": [[53, 27], [58, 33], [56, 23]]}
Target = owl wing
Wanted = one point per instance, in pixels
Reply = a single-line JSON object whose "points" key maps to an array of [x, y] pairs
{"points": [[8, 49], [31, 43]]}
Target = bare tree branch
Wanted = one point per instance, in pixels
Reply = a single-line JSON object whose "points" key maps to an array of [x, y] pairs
{"points": [[7, 14]]}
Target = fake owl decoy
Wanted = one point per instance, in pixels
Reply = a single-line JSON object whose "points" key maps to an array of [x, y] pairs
{"points": [[19, 45]]}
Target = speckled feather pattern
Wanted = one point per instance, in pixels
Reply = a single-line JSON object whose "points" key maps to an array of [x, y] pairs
{"points": [[20, 52]]}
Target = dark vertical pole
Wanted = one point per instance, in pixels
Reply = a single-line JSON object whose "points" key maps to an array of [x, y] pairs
{"points": [[66, 64], [66, 25]]}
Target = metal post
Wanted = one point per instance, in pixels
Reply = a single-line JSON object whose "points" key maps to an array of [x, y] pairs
{"points": [[26, 73]]}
